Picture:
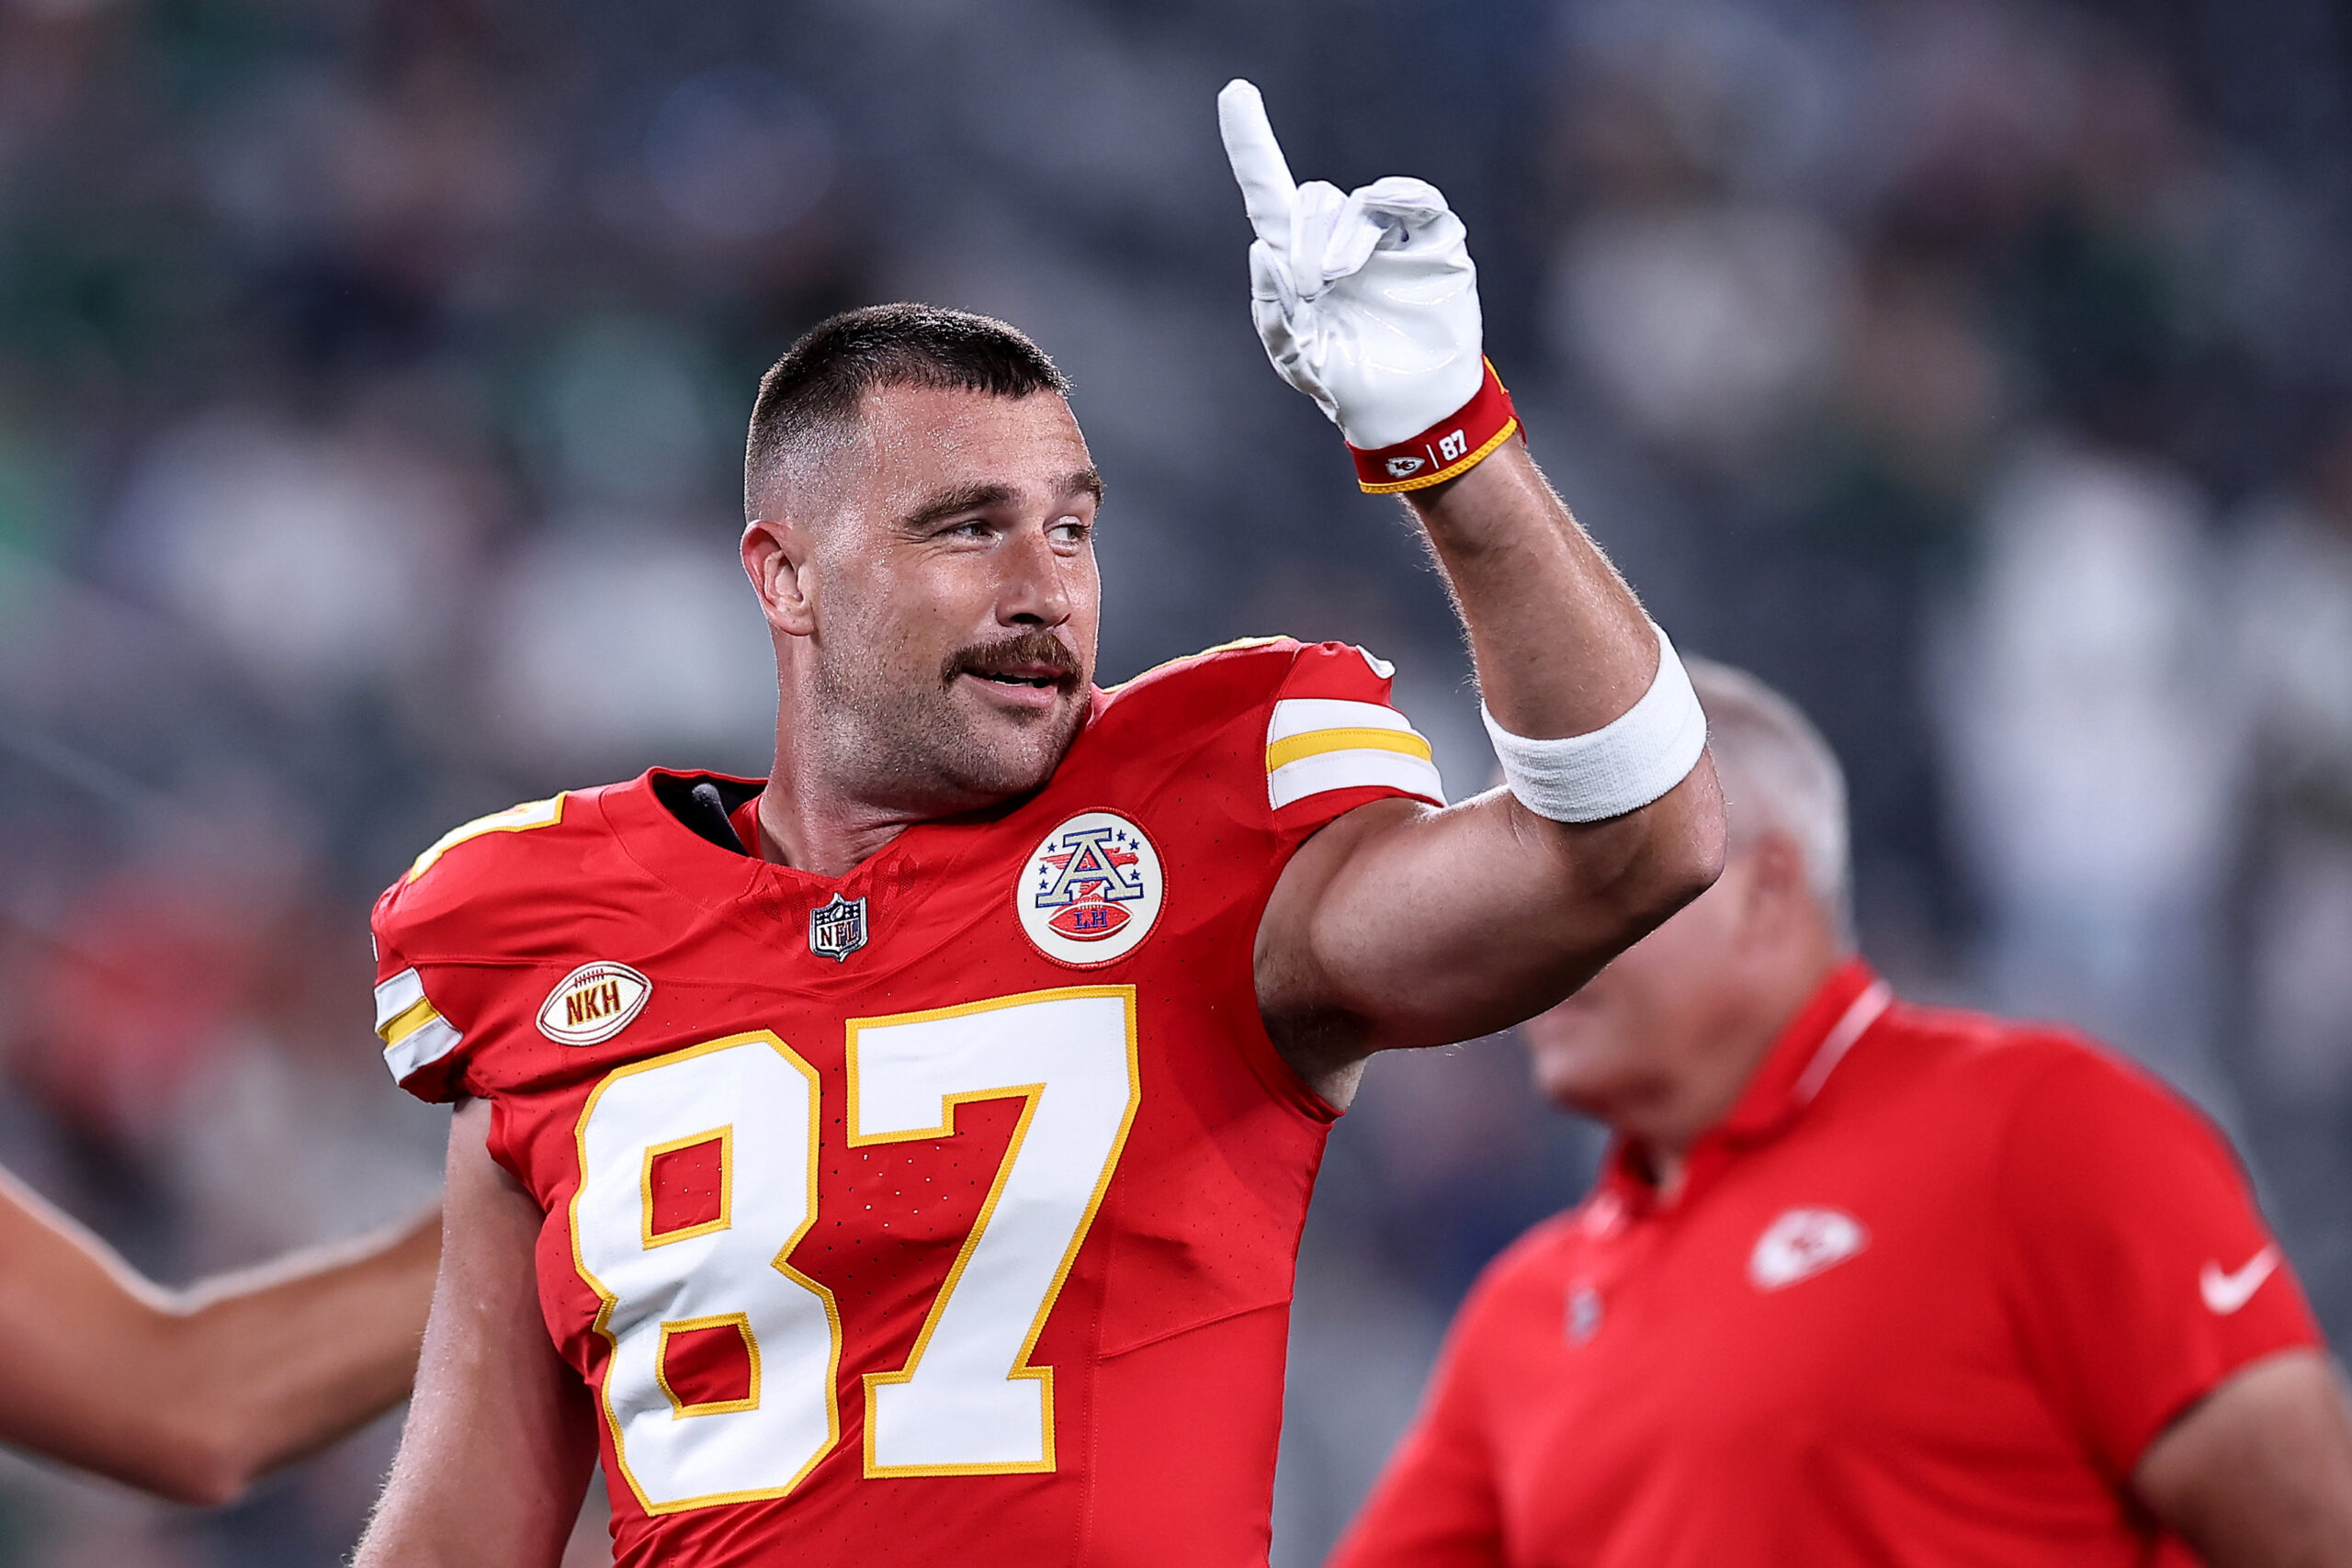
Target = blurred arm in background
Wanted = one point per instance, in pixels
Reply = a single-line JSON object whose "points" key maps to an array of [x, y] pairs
{"points": [[195, 1394], [2258, 1473]]}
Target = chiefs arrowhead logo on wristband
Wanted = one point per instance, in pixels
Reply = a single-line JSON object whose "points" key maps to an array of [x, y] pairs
{"points": [[1445, 450]]}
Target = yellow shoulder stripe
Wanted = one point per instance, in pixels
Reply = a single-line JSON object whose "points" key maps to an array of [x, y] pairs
{"points": [[400, 1026], [1316, 742]]}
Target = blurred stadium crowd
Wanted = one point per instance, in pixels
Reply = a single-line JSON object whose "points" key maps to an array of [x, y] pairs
{"points": [[371, 373]]}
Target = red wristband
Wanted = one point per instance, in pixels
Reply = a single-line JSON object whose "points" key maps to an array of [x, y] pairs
{"points": [[1450, 447]]}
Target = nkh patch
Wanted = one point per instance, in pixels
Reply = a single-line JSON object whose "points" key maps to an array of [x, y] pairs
{"points": [[1092, 892], [837, 929], [593, 1003]]}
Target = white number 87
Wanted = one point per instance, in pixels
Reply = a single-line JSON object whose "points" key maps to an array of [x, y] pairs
{"points": [[967, 1401]]}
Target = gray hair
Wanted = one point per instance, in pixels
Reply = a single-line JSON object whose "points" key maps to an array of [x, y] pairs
{"points": [[1780, 776]]}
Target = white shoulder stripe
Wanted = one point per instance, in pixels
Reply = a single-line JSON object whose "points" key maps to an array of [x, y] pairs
{"points": [[415, 1035], [396, 996], [423, 1046], [1354, 769], [1301, 716]]}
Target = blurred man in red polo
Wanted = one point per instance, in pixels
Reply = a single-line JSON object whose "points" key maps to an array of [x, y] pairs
{"points": [[1862, 1282]]}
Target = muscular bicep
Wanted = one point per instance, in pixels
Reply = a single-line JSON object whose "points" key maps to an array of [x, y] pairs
{"points": [[2258, 1473], [1398, 925], [500, 1435]]}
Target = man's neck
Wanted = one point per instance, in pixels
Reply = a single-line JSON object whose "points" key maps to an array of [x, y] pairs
{"points": [[1664, 1166], [1746, 1042], [820, 847], [810, 828]]}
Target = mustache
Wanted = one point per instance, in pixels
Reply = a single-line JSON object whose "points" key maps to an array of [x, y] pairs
{"points": [[1032, 647]]}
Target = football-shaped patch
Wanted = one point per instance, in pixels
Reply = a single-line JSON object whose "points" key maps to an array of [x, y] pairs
{"points": [[593, 1003]]}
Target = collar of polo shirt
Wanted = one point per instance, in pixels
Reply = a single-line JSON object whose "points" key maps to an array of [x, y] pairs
{"points": [[1794, 1072]]}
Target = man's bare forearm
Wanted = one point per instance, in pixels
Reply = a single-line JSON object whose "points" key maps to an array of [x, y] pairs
{"points": [[1563, 647], [1561, 644], [1382, 932], [295, 1357], [193, 1396]]}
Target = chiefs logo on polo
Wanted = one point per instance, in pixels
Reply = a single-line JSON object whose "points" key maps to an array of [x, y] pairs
{"points": [[1092, 892], [593, 1003], [1800, 1244]]}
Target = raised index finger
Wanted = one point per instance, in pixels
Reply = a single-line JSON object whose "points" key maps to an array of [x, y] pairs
{"points": [[1258, 163]]}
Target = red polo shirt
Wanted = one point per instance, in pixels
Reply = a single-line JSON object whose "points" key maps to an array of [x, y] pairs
{"points": [[1925, 1297]]}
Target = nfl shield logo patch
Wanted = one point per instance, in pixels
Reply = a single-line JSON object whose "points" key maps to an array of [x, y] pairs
{"points": [[837, 929]]}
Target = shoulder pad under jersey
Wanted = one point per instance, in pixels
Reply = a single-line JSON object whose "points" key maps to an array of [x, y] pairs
{"points": [[1331, 734], [489, 890]]}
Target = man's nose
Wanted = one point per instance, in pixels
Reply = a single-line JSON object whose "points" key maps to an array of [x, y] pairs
{"points": [[1036, 588]]}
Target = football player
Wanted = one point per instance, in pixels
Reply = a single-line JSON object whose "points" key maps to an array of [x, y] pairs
{"points": [[193, 1394], [902, 1157]]}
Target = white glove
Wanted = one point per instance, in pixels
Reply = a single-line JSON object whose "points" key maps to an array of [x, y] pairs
{"points": [[1367, 302]]}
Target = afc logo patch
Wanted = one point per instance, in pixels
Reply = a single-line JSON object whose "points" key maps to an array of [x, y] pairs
{"points": [[1092, 892]]}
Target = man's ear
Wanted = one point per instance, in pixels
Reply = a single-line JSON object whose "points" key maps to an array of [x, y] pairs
{"points": [[777, 558], [1777, 885]]}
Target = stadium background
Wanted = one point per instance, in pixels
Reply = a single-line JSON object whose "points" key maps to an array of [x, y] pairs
{"points": [[371, 377]]}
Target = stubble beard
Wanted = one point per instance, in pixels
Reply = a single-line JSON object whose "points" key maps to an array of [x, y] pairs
{"points": [[907, 744]]}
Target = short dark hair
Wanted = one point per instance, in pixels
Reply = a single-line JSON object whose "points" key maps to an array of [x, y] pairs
{"points": [[816, 388]]}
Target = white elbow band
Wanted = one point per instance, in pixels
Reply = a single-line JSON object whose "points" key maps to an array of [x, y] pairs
{"points": [[1621, 767]]}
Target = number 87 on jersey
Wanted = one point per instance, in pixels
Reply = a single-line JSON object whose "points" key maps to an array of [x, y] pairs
{"points": [[966, 1402]]}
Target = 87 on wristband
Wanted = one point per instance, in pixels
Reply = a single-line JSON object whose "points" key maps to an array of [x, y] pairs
{"points": [[966, 1402]]}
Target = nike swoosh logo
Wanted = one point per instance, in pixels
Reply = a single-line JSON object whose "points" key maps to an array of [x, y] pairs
{"points": [[2224, 1293]]}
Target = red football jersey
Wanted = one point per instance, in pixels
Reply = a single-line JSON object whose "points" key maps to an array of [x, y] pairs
{"points": [[1924, 1297], [943, 1212]]}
